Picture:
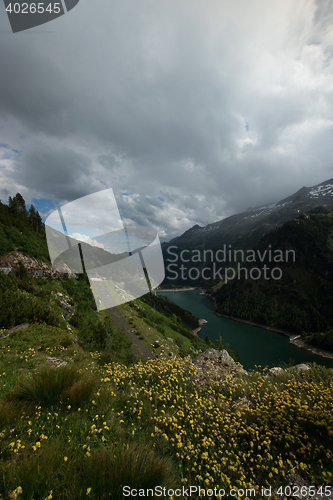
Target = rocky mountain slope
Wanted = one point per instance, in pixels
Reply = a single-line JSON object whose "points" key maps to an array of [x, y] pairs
{"points": [[246, 229], [33, 266]]}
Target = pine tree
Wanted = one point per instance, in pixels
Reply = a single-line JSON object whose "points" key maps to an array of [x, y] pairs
{"points": [[21, 204], [35, 219], [13, 205]]}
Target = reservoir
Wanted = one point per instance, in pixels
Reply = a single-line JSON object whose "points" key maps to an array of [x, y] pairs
{"points": [[256, 346]]}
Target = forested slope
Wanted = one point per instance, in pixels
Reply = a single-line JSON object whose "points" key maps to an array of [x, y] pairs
{"points": [[299, 302]]}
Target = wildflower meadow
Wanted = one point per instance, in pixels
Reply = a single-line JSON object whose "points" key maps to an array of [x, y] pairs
{"points": [[87, 428]]}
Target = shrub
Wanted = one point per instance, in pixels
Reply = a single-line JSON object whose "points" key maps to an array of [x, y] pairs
{"points": [[17, 307], [80, 392], [50, 386], [107, 471]]}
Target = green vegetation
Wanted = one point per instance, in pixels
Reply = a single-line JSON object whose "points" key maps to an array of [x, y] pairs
{"points": [[81, 416], [49, 387], [299, 302], [36, 300], [170, 309], [22, 229], [87, 428]]}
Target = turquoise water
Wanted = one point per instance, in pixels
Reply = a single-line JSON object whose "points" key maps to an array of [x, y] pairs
{"points": [[256, 346]]}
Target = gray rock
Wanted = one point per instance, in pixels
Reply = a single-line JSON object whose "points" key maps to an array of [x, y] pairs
{"points": [[217, 365], [56, 363], [219, 357], [296, 482], [276, 371], [17, 328], [302, 367]]}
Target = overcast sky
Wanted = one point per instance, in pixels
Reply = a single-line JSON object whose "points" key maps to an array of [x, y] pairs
{"points": [[191, 110]]}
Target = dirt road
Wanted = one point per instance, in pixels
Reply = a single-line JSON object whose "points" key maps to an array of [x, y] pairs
{"points": [[138, 347]]}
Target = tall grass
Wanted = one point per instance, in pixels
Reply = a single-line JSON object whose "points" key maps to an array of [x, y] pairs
{"points": [[101, 476], [8, 413], [51, 386], [36, 474], [107, 471]]}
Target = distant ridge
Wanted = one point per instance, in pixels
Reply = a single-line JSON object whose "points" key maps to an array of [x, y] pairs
{"points": [[246, 228]]}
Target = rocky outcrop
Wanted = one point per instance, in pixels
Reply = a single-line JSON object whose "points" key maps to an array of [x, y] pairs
{"points": [[296, 483], [218, 365], [55, 362], [276, 371], [6, 333], [222, 358], [297, 369], [64, 302], [33, 266]]}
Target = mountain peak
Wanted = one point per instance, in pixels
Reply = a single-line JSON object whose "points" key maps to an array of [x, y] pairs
{"points": [[248, 227]]}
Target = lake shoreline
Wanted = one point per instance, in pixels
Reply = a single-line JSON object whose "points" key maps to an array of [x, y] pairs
{"points": [[176, 289], [293, 337], [201, 321], [197, 330]]}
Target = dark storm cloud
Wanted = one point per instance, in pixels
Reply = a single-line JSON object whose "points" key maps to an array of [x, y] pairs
{"points": [[213, 106], [57, 171]]}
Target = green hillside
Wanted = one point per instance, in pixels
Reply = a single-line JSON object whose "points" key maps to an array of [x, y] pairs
{"points": [[82, 417], [37, 300], [22, 229], [299, 302]]}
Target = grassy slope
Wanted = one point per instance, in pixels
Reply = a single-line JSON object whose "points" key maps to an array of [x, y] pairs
{"points": [[31, 300], [86, 429], [106, 420]]}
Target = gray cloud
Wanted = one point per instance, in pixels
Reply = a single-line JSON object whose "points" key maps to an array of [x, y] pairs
{"points": [[4, 192], [211, 106]]}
